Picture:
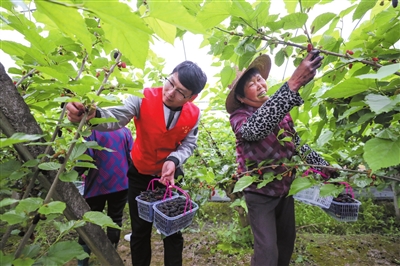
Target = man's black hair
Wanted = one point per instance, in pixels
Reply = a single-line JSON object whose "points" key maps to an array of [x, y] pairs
{"points": [[242, 81], [191, 76]]}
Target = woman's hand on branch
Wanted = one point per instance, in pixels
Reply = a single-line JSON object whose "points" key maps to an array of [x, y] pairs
{"points": [[306, 71], [330, 172]]}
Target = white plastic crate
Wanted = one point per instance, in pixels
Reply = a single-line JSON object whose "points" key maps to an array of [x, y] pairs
{"points": [[311, 196], [80, 185], [170, 225]]}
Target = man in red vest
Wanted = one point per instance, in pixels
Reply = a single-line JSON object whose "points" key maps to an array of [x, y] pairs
{"points": [[166, 124]]}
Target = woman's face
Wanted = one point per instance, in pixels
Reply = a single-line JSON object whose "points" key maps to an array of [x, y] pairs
{"points": [[255, 91]]}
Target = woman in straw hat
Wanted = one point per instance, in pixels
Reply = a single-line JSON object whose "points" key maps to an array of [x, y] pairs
{"points": [[260, 122]]}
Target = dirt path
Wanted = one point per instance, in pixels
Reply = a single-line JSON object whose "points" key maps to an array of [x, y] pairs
{"points": [[203, 249]]}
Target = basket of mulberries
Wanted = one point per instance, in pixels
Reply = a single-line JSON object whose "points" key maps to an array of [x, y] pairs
{"points": [[344, 207], [173, 215], [151, 196]]}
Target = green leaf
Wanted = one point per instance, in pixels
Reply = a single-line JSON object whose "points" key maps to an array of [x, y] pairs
{"points": [[387, 133], [294, 21], [65, 227], [239, 202], [94, 145], [227, 76], [85, 165], [213, 13], [12, 217], [23, 262], [9, 6], [381, 153], [62, 252], [31, 33], [382, 73], [347, 11], [299, 39], [23, 52], [18, 174], [29, 205], [324, 138], [321, 20], [31, 163], [77, 151], [49, 166], [268, 178], [330, 190], [379, 103], [348, 112], [18, 138], [69, 176], [7, 202], [243, 183], [123, 29], [165, 30], [280, 58], [309, 3], [349, 87], [243, 10], [85, 157], [300, 184], [96, 121], [210, 176], [261, 13], [99, 63], [290, 5], [31, 251], [68, 21], [54, 73], [100, 219], [362, 8], [52, 207], [8, 167], [7, 260], [174, 13]]}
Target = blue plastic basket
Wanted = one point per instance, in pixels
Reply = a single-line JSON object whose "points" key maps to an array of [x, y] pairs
{"points": [[145, 208], [170, 225]]}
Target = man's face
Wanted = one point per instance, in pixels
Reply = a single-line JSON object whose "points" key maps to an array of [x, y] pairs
{"points": [[174, 93]]}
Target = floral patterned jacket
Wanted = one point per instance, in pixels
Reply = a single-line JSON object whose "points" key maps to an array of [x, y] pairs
{"points": [[260, 134]]}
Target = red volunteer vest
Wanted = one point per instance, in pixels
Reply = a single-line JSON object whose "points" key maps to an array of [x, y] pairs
{"points": [[154, 143]]}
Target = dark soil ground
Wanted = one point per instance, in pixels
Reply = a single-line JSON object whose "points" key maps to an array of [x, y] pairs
{"points": [[202, 247]]}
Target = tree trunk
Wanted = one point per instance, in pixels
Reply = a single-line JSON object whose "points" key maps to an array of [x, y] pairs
{"points": [[17, 113], [396, 195], [243, 218]]}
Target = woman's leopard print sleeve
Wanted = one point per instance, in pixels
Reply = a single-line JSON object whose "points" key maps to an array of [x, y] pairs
{"points": [[268, 116]]}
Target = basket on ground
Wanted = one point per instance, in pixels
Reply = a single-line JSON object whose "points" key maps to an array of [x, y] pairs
{"points": [[170, 225], [145, 208], [344, 211], [311, 196]]}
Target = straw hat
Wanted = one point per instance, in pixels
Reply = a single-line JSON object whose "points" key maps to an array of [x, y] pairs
{"points": [[263, 64]]}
